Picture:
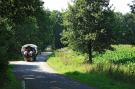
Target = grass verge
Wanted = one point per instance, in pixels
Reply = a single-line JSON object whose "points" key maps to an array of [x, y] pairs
{"points": [[11, 82], [112, 70]]}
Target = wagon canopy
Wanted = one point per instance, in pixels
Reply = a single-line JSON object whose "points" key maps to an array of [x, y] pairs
{"points": [[29, 45]]}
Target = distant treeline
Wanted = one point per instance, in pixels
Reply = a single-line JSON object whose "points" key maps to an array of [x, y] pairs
{"points": [[123, 30]]}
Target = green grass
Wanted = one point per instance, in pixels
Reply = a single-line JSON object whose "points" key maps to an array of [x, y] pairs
{"points": [[11, 82], [111, 70], [121, 53]]}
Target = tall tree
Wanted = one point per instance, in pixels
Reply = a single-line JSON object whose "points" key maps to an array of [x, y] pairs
{"points": [[44, 26], [56, 26], [88, 27]]}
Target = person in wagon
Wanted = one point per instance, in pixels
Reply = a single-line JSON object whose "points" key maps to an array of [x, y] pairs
{"points": [[29, 51]]}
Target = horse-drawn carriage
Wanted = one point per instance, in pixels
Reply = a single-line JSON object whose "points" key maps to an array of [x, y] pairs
{"points": [[29, 52]]}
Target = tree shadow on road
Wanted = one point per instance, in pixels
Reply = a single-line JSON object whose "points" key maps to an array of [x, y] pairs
{"points": [[35, 78]]}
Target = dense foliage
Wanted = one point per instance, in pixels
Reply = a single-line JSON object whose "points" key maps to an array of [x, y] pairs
{"points": [[123, 28], [56, 21], [5, 40]]}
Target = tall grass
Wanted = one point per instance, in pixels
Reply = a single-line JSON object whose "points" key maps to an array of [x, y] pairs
{"points": [[119, 64], [111, 70]]}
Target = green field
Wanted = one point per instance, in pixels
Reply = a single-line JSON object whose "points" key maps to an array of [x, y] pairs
{"points": [[111, 70]]}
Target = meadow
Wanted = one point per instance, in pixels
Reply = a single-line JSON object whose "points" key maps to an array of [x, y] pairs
{"points": [[114, 69]]}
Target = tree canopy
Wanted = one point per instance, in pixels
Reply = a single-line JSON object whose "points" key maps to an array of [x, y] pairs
{"points": [[87, 26]]}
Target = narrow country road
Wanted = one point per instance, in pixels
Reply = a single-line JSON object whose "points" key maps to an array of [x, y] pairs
{"points": [[38, 75]]}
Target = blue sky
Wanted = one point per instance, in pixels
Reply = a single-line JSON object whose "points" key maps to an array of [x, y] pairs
{"points": [[118, 5]]}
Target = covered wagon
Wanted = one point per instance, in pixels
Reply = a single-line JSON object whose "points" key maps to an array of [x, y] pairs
{"points": [[29, 52]]}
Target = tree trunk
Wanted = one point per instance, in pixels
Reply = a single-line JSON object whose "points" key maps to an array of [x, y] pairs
{"points": [[90, 52]]}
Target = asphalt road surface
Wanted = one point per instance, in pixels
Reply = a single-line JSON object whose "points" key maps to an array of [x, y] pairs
{"points": [[38, 75]]}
